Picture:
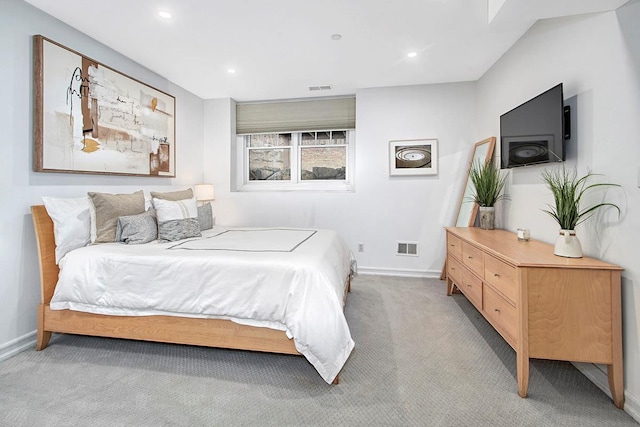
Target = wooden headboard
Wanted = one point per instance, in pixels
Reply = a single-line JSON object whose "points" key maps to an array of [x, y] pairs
{"points": [[46, 252]]}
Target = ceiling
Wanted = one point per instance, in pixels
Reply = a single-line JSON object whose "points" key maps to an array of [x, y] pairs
{"points": [[279, 48]]}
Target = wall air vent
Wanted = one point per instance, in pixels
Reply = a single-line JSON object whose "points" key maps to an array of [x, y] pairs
{"points": [[324, 87], [407, 248]]}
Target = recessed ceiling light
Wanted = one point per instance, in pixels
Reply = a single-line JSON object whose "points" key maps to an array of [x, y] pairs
{"points": [[336, 37], [412, 54], [165, 15], [231, 71]]}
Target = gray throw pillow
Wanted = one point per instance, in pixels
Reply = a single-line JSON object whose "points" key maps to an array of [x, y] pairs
{"points": [[205, 215], [137, 229]]}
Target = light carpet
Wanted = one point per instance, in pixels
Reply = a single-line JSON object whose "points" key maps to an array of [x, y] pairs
{"points": [[421, 359]]}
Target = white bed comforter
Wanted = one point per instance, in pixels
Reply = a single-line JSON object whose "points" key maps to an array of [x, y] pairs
{"points": [[287, 279]]}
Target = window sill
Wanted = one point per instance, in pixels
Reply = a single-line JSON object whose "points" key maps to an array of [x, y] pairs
{"points": [[306, 187]]}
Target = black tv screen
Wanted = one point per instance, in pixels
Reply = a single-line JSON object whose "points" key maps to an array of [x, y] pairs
{"points": [[533, 132]]}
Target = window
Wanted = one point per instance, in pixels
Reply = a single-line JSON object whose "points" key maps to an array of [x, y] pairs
{"points": [[309, 160], [323, 155], [269, 157], [303, 144]]}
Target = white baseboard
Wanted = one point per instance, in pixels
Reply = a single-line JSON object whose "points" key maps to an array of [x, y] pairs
{"points": [[376, 271], [632, 406], [17, 345], [600, 379], [595, 374]]}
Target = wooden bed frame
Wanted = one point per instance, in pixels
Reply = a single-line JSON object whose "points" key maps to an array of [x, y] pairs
{"points": [[169, 329]]}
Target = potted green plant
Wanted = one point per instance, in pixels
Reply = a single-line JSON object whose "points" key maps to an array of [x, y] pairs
{"points": [[568, 190], [487, 185]]}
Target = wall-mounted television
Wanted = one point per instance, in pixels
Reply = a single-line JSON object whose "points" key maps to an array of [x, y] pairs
{"points": [[534, 132]]}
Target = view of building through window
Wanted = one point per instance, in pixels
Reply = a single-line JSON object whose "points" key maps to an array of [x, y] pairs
{"points": [[311, 156], [267, 162]]}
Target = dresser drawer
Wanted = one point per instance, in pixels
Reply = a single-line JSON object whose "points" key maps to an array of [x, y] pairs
{"points": [[454, 246], [500, 312], [501, 276], [472, 288], [472, 258], [455, 270]]}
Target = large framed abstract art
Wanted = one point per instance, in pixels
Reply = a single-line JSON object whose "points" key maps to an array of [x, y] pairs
{"points": [[90, 118]]}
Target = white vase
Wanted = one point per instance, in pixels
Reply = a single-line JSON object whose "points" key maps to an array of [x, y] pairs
{"points": [[487, 217], [568, 245]]}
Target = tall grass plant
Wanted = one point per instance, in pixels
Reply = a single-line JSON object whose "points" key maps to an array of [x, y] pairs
{"points": [[488, 184], [568, 191]]}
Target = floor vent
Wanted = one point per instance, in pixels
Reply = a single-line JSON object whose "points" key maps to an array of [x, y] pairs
{"points": [[407, 248], [325, 87]]}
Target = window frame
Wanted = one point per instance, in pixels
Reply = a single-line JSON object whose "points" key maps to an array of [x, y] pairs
{"points": [[296, 183]]}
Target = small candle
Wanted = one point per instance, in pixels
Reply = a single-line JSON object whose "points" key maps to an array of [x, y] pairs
{"points": [[523, 234]]}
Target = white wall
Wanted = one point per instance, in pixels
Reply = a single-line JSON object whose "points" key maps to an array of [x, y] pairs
{"points": [[20, 187], [382, 209], [597, 58]]}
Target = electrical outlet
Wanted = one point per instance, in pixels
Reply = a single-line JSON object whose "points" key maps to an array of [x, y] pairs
{"points": [[360, 247]]}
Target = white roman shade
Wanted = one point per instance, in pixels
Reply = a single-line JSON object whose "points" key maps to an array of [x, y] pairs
{"points": [[298, 115]]}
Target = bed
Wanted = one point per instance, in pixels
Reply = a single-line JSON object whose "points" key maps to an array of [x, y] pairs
{"points": [[292, 331]]}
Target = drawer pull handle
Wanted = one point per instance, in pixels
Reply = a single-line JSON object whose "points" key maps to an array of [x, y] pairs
{"points": [[497, 309], [470, 257], [496, 274]]}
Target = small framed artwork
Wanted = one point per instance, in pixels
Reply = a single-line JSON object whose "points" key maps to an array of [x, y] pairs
{"points": [[90, 118], [413, 157]]}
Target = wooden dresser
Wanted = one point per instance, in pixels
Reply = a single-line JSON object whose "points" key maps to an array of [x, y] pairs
{"points": [[544, 306]]}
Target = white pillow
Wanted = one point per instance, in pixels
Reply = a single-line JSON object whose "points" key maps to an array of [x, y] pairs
{"points": [[177, 219], [71, 223]]}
